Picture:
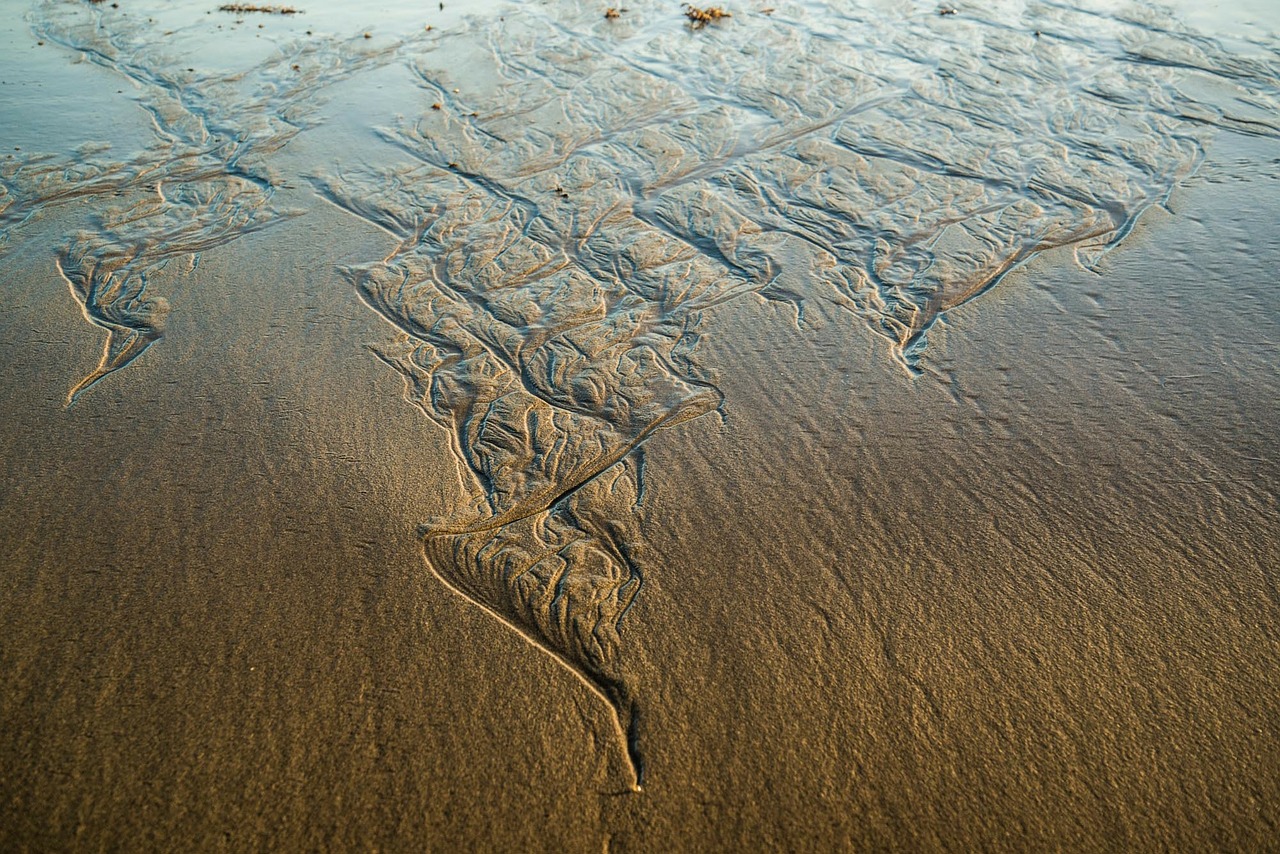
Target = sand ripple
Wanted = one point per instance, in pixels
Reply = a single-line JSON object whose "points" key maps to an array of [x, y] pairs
{"points": [[204, 182], [568, 220]]}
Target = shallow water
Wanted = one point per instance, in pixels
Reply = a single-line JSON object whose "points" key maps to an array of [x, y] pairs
{"points": [[572, 237]]}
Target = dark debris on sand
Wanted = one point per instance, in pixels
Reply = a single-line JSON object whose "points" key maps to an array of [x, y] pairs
{"points": [[241, 8], [699, 18]]}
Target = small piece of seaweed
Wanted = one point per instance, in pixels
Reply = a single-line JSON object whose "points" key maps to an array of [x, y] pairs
{"points": [[241, 8], [699, 18]]}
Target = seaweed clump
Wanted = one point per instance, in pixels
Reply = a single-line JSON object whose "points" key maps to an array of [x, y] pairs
{"points": [[241, 8], [699, 18]]}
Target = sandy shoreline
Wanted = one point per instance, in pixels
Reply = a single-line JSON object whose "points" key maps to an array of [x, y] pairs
{"points": [[1025, 600]]}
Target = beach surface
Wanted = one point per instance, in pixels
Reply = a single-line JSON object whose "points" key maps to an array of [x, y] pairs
{"points": [[835, 426]]}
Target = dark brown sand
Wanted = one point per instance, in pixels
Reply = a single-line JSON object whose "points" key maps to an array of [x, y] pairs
{"points": [[1025, 598]]}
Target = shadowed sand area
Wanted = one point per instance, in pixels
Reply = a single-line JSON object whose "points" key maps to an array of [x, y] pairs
{"points": [[842, 425]]}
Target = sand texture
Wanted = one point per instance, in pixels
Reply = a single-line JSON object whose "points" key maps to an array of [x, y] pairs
{"points": [[826, 426]]}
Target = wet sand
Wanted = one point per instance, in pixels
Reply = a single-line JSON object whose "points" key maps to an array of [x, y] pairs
{"points": [[424, 440]]}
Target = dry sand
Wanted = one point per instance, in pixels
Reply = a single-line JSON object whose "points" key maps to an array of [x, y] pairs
{"points": [[853, 423]]}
